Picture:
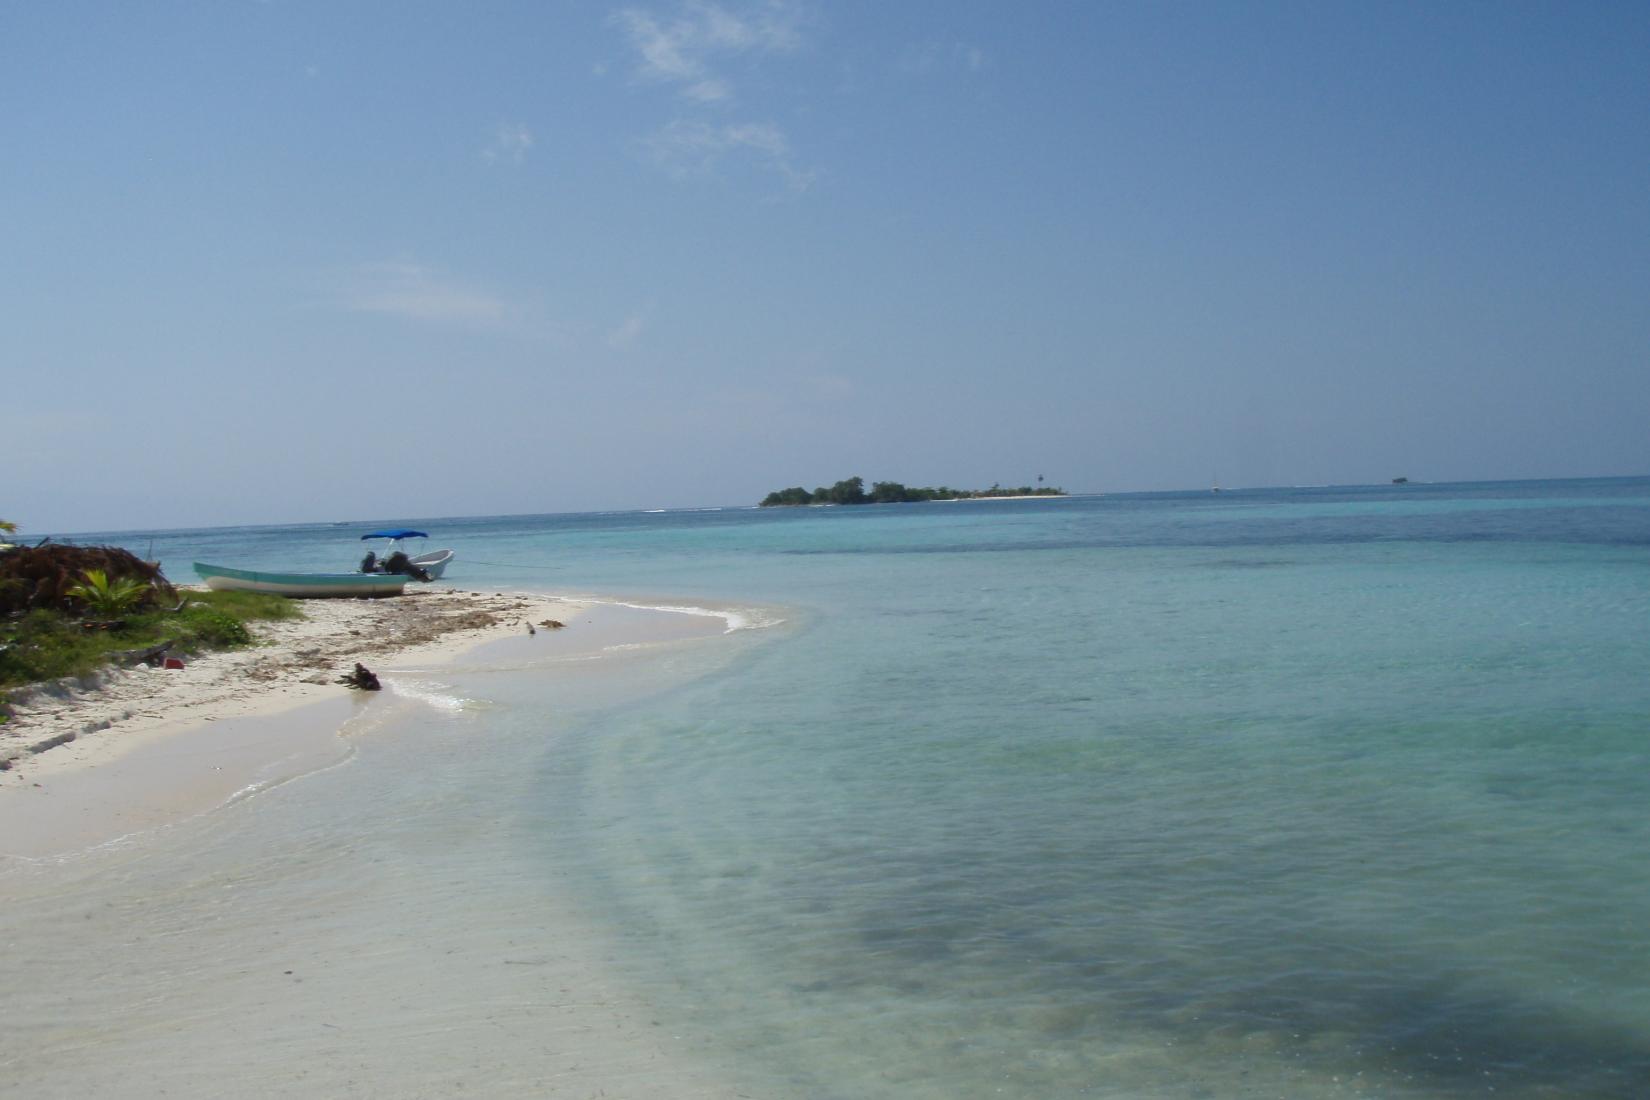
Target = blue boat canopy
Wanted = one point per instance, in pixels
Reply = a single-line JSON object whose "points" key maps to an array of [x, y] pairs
{"points": [[396, 533]]}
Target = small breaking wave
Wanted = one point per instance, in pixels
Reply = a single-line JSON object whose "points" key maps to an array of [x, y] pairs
{"points": [[736, 618], [429, 692]]}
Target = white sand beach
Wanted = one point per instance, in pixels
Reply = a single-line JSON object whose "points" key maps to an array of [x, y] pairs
{"points": [[270, 947]]}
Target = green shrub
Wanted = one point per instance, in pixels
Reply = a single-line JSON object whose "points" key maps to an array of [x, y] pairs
{"points": [[215, 628]]}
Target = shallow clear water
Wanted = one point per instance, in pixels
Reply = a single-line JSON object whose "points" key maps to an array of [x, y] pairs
{"points": [[1284, 793]]}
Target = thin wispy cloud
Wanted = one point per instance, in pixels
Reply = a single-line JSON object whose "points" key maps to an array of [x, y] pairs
{"points": [[941, 56], [508, 143], [685, 49], [687, 148], [418, 293], [627, 333], [831, 387], [694, 49]]}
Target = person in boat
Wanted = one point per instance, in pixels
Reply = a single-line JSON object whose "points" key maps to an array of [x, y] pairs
{"points": [[369, 564]]}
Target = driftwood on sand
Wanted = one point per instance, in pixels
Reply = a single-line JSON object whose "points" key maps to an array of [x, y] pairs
{"points": [[362, 678], [153, 656]]}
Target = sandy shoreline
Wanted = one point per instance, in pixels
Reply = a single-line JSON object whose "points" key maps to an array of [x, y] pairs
{"points": [[150, 745], [379, 928]]}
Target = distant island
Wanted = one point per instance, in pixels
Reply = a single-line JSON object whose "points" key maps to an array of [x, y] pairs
{"points": [[852, 491]]}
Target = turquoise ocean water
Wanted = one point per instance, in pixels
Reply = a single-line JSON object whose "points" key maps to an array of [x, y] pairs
{"points": [[1296, 792]]}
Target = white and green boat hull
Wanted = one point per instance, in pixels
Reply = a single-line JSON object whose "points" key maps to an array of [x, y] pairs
{"points": [[301, 585]]}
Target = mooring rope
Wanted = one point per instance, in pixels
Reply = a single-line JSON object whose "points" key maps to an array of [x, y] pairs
{"points": [[500, 564]]}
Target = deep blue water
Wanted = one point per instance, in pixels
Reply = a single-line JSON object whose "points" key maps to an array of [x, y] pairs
{"points": [[1294, 792]]}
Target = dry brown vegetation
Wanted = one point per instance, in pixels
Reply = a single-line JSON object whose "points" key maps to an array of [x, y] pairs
{"points": [[34, 577]]}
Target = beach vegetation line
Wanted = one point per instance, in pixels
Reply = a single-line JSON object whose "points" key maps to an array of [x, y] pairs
{"points": [[69, 611], [44, 644]]}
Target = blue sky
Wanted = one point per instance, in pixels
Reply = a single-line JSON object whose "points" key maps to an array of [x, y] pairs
{"points": [[272, 262]]}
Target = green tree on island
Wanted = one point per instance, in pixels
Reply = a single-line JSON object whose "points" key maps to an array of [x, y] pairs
{"points": [[852, 491], [888, 492], [849, 491], [793, 496]]}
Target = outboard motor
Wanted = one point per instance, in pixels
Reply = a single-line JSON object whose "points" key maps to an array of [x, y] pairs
{"points": [[398, 562]]}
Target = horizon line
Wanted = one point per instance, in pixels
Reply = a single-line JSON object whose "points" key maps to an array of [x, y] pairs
{"points": [[1205, 491]]}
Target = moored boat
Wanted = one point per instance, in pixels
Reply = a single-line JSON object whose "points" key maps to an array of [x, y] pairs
{"points": [[433, 563], [301, 585]]}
